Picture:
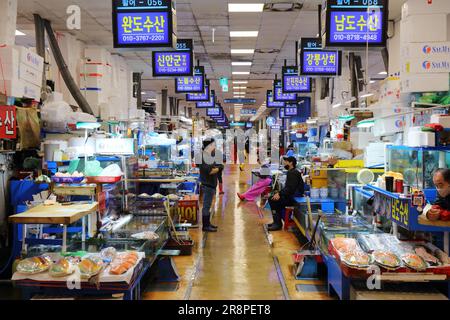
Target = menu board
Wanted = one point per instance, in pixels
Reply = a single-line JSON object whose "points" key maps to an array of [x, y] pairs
{"points": [[279, 95], [318, 62], [208, 104], [356, 23], [143, 23], [202, 96], [174, 63], [194, 84], [293, 83], [271, 103]]}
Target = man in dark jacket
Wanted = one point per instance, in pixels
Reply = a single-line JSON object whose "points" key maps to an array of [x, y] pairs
{"points": [[209, 171], [441, 208], [285, 198]]}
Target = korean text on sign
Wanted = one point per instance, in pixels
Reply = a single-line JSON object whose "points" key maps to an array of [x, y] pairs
{"points": [[143, 28], [351, 26], [320, 62], [8, 125]]}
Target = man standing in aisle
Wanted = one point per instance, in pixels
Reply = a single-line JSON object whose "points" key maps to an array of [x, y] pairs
{"points": [[285, 198], [209, 171]]}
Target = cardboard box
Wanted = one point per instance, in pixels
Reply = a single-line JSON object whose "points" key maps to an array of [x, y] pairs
{"points": [[431, 82], [428, 27], [30, 74], [419, 7]]}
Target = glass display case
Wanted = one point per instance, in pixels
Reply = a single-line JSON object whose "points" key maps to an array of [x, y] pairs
{"points": [[417, 164]]}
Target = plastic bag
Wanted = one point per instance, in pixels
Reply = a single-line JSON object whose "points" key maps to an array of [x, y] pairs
{"points": [[111, 171]]}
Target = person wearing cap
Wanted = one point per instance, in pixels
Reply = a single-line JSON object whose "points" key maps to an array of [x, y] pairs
{"points": [[208, 180], [285, 198], [259, 187]]}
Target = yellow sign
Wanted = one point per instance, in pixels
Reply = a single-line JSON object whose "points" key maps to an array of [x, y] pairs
{"points": [[400, 212]]}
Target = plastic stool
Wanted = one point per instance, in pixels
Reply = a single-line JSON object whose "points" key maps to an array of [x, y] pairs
{"points": [[266, 192], [288, 211]]}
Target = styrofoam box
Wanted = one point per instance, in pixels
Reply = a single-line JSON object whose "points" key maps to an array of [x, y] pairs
{"points": [[360, 139], [433, 82], [417, 7], [426, 50], [430, 65], [443, 120], [31, 91], [92, 82], [31, 58], [97, 55], [9, 58], [428, 27], [421, 139], [14, 88], [30, 74]]}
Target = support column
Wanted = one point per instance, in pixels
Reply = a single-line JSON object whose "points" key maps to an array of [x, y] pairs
{"points": [[8, 23]]}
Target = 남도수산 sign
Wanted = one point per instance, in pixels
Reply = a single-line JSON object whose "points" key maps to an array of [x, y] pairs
{"points": [[144, 23], [355, 23]]}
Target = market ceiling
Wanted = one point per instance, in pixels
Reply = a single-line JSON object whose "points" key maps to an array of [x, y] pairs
{"points": [[274, 43]]}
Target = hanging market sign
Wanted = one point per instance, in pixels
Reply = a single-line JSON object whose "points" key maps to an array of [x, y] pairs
{"points": [[248, 112], [281, 113], [291, 110], [240, 101], [249, 125], [318, 62], [355, 23], [144, 23], [271, 103], [208, 104], [278, 94], [214, 112], [204, 96], [195, 84], [293, 83], [8, 124], [174, 63]]}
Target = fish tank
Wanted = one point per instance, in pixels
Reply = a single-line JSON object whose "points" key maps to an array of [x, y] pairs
{"points": [[417, 164]]}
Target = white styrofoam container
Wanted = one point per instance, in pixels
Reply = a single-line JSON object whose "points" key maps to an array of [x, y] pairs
{"points": [[418, 7], [31, 91], [388, 126], [31, 58], [92, 82], [428, 27], [421, 139], [360, 140], [443, 120], [9, 58], [14, 88], [97, 55], [374, 154], [426, 50], [431, 82], [415, 65], [30, 74]]}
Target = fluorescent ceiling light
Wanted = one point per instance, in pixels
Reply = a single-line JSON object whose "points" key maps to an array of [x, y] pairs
{"points": [[241, 72], [20, 33], [239, 87], [243, 34], [383, 73], [242, 51], [241, 63], [366, 124], [245, 7], [367, 95], [372, 81], [337, 105], [240, 82]]}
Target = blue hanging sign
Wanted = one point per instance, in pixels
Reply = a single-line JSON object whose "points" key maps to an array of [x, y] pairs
{"points": [[174, 63], [355, 23], [293, 83], [144, 23], [239, 101], [195, 84], [318, 62], [214, 112], [270, 103], [208, 104], [204, 96], [278, 94], [291, 110]]}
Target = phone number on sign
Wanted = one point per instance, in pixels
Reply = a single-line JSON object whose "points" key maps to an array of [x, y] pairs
{"points": [[355, 37], [143, 38]]}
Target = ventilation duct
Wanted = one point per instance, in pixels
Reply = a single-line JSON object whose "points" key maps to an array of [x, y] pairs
{"points": [[282, 6]]}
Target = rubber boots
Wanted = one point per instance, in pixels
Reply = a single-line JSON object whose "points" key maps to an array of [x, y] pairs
{"points": [[277, 224]]}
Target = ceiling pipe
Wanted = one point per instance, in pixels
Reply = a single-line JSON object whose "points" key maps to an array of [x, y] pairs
{"points": [[65, 73]]}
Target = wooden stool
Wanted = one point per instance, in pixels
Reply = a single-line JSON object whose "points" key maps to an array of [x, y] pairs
{"points": [[288, 211]]}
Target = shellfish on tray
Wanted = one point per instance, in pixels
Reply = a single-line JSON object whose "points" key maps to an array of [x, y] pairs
{"points": [[62, 268], [90, 267], [356, 259], [34, 265], [386, 259], [414, 262]]}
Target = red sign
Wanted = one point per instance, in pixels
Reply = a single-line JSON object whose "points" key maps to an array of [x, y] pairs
{"points": [[188, 211], [8, 125]]}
